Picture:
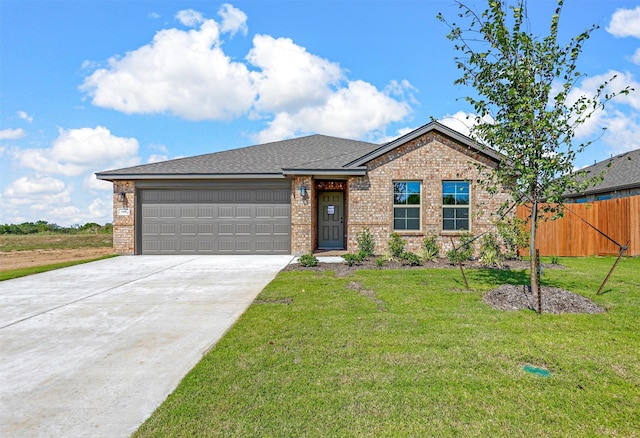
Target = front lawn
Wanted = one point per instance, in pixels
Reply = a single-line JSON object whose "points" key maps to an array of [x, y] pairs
{"points": [[410, 353]]}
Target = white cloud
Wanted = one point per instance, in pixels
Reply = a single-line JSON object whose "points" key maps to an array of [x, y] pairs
{"points": [[461, 122], [233, 20], [76, 151], [187, 73], [96, 185], [635, 58], [99, 209], [34, 197], [290, 77], [603, 118], [24, 116], [182, 72], [399, 133], [155, 158], [623, 132], [42, 197], [625, 22], [189, 17], [12, 134], [353, 112], [32, 186]]}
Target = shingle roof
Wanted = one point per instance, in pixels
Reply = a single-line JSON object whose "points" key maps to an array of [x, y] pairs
{"points": [[311, 152], [620, 173], [314, 154]]}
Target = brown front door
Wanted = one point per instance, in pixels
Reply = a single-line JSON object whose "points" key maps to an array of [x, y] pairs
{"points": [[331, 220]]}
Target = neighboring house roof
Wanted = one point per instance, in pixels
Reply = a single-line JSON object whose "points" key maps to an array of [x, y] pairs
{"points": [[314, 154], [621, 172]]}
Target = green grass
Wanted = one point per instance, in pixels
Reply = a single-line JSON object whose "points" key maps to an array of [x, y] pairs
{"points": [[12, 242], [409, 353], [23, 272]]}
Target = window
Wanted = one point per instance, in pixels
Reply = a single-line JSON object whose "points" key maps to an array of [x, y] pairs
{"points": [[406, 205], [603, 197], [455, 205], [581, 200]]}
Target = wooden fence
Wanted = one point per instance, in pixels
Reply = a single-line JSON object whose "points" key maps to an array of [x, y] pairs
{"points": [[570, 236]]}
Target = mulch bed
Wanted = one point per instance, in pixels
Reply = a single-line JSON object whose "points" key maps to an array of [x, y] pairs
{"points": [[554, 300], [505, 297]]}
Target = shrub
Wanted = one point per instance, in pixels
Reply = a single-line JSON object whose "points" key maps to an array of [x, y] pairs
{"points": [[396, 245], [514, 236], [366, 243], [308, 260], [490, 253], [353, 259], [410, 258], [380, 262], [464, 251], [430, 248]]}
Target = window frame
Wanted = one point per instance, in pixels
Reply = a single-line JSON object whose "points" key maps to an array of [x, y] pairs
{"points": [[406, 206], [456, 207]]}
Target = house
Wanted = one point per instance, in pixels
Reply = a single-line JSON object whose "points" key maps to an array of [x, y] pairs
{"points": [[620, 178], [304, 194]]}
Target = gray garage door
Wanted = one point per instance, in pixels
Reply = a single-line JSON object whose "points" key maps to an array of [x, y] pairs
{"points": [[226, 220]]}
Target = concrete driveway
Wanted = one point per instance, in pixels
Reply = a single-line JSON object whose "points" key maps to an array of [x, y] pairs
{"points": [[93, 349]]}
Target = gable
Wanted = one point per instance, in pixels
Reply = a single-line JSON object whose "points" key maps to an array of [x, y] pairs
{"points": [[435, 150], [426, 134]]}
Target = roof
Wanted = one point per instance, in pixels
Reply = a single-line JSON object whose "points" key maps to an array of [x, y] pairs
{"points": [[621, 172], [269, 159], [432, 126], [310, 155]]}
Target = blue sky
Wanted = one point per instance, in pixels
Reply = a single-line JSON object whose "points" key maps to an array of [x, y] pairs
{"points": [[94, 85]]}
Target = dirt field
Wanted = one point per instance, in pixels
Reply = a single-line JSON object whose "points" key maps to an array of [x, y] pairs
{"points": [[38, 257]]}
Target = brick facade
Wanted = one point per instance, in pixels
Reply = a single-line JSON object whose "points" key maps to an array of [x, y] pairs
{"points": [[303, 216], [430, 159], [124, 237]]}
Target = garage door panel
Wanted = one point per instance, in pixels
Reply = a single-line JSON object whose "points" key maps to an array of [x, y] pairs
{"points": [[243, 212], [188, 229], [205, 229], [243, 229], [188, 245], [206, 212], [168, 213], [281, 212], [225, 212], [222, 221], [281, 229], [188, 212]]}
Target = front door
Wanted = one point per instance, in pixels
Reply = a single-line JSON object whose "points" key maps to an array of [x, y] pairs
{"points": [[331, 220]]}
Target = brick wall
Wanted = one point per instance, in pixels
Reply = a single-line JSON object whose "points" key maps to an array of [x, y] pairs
{"points": [[431, 159], [303, 216], [124, 224]]}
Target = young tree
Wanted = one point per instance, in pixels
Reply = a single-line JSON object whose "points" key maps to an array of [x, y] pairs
{"points": [[524, 105]]}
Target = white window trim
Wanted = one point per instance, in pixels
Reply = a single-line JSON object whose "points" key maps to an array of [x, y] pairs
{"points": [[418, 207], [443, 206]]}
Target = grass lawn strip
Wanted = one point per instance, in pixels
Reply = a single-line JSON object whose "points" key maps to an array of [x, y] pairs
{"points": [[23, 272], [407, 353]]}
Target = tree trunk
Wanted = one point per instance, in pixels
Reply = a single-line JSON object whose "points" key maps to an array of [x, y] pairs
{"points": [[535, 285]]}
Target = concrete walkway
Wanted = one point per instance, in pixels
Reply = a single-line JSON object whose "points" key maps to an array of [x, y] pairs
{"points": [[92, 350]]}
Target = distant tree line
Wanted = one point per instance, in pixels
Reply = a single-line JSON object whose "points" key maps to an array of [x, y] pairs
{"points": [[46, 227]]}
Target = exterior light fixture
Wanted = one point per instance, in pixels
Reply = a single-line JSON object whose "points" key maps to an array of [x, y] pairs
{"points": [[303, 191], [122, 196]]}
